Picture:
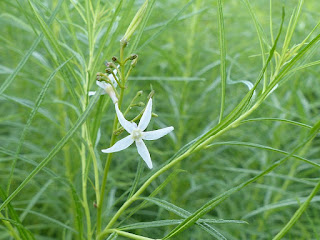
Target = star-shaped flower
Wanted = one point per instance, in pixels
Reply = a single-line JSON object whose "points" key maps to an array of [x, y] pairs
{"points": [[137, 134], [107, 87]]}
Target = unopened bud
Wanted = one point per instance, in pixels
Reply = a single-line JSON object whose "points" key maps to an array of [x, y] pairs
{"points": [[108, 70], [151, 94], [134, 62], [115, 59], [99, 76], [110, 65], [133, 56], [111, 93], [141, 104], [134, 24]]}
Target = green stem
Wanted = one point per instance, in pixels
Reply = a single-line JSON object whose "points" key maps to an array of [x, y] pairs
{"points": [[95, 167], [140, 191], [271, 25], [112, 141], [84, 182], [223, 72], [106, 168], [129, 235], [85, 162], [235, 123], [297, 214], [10, 228]]}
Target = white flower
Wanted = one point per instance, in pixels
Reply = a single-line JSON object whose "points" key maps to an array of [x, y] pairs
{"points": [[137, 134], [107, 87]]}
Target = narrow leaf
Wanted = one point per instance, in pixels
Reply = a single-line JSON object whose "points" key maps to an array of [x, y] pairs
{"points": [[54, 151]]}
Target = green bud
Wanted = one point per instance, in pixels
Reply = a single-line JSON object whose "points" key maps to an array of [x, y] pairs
{"points": [[99, 74], [141, 104], [134, 24], [108, 70], [134, 62], [115, 59], [110, 65], [133, 56], [151, 94]]}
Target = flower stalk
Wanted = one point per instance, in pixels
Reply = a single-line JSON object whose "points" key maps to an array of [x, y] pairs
{"points": [[112, 141]]}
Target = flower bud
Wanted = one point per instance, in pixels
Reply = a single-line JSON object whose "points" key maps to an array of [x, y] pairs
{"points": [[151, 94], [99, 76], [115, 59], [109, 70], [134, 62], [134, 24], [133, 56], [110, 65]]}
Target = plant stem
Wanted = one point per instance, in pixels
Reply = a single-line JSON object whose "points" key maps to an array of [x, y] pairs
{"points": [[84, 166], [129, 235], [106, 171], [140, 191], [112, 141], [84, 183], [297, 214], [10, 228], [191, 150]]}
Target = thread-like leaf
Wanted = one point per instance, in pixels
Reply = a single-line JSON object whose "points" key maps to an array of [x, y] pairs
{"points": [[54, 151], [9, 80], [30, 119], [222, 46], [216, 201]]}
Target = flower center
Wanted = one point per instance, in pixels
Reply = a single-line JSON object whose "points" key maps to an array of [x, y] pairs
{"points": [[136, 134]]}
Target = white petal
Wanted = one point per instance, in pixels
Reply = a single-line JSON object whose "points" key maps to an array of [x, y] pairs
{"points": [[91, 93], [153, 135], [112, 94], [146, 116], [102, 84], [144, 153], [120, 145], [111, 77], [128, 126]]}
